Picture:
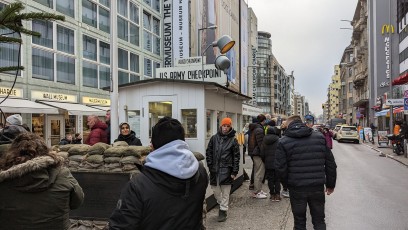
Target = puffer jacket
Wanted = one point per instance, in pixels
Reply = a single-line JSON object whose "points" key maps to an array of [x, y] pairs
{"points": [[131, 139], [98, 134], [222, 157], [10, 132], [37, 194], [270, 144], [303, 157], [256, 136]]}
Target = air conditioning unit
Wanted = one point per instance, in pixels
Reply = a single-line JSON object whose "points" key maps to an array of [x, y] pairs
{"points": [[343, 83]]}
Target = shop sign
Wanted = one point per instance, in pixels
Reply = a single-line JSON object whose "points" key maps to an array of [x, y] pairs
{"points": [[4, 91], [251, 110], [193, 73], [96, 101], [53, 96], [180, 62]]}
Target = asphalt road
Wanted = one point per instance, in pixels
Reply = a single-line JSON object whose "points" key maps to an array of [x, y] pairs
{"points": [[371, 193]]}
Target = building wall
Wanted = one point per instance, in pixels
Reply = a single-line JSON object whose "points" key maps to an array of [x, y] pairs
{"points": [[264, 83], [335, 86]]}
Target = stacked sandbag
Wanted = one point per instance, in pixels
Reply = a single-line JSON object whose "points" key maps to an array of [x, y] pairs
{"points": [[112, 157], [94, 158], [88, 224], [132, 158], [77, 154]]}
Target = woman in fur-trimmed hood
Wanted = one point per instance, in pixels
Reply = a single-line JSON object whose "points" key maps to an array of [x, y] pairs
{"points": [[36, 191]]}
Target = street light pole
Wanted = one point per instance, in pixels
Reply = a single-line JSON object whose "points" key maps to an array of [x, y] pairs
{"points": [[114, 94]]}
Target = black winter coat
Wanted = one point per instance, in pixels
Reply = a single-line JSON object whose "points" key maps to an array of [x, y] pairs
{"points": [[255, 140], [222, 157], [65, 142], [154, 200], [270, 145], [303, 157], [10, 132], [131, 139]]}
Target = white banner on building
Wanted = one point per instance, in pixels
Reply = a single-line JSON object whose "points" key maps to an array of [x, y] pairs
{"points": [[180, 29], [193, 73], [168, 32]]}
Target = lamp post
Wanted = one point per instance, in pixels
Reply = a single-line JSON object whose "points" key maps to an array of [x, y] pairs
{"points": [[199, 37], [224, 44]]}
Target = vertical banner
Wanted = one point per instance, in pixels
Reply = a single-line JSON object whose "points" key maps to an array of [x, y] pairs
{"points": [[244, 47], [181, 25], [168, 32]]}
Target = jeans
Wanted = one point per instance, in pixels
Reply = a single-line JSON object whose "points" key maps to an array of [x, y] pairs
{"points": [[299, 200], [221, 194], [259, 175]]}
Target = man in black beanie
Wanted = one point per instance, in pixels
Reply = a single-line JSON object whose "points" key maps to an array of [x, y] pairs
{"points": [[170, 190]]}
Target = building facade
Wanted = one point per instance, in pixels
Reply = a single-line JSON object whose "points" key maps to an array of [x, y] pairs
{"points": [[346, 90], [264, 76], [334, 86]]}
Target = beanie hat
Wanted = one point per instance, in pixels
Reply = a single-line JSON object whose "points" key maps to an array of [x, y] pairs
{"points": [[165, 131], [15, 119], [226, 121]]}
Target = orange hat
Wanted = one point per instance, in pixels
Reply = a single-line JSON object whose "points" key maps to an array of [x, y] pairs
{"points": [[226, 121]]}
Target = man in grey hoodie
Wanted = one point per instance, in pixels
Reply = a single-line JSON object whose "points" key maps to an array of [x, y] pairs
{"points": [[170, 190]]}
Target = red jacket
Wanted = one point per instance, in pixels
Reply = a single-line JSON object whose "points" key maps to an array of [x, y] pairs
{"points": [[97, 134]]}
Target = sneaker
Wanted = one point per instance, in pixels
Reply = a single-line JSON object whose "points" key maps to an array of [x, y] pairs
{"points": [[285, 193], [277, 198], [259, 195], [264, 193], [272, 197], [222, 216]]}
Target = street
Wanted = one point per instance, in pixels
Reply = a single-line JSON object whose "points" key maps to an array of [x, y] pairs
{"points": [[371, 193]]}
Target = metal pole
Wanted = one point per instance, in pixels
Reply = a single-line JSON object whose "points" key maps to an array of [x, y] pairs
{"points": [[390, 79], [114, 94]]}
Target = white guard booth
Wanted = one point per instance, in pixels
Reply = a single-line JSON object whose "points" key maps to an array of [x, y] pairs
{"points": [[199, 106]]}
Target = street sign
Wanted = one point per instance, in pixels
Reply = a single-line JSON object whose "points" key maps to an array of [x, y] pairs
{"points": [[405, 105], [394, 101]]}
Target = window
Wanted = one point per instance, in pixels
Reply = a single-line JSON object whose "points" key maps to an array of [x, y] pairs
{"points": [[104, 53], [45, 28], [89, 47], [147, 67], [158, 110], [128, 22], [65, 39], [9, 51], [63, 6], [90, 12], [151, 33], [128, 63], [90, 74], [189, 122], [66, 7], [154, 4], [209, 114], [350, 87], [134, 121], [65, 69], [43, 64]]}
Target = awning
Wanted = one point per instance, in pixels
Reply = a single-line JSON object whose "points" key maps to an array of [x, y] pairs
{"points": [[386, 112], [18, 105], [400, 80], [74, 108], [104, 108]]}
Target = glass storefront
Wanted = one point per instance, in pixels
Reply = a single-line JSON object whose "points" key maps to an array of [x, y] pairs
{"points": [[37, 122], [158, 110], [189, 122]]}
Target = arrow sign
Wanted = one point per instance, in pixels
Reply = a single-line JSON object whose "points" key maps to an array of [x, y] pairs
{"points": [[394, 101]]}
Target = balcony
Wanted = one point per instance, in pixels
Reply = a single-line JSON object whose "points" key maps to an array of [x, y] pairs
{"points": [[359, 79]]}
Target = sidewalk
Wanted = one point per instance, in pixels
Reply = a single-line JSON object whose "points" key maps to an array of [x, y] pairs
{"points": [[387, 152]]}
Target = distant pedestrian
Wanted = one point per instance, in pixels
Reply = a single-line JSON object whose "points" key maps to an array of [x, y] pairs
{"points": [[77, 139], [169, 191], [36, 190], [12, 129], [128, 135], [98, 131], [309, 164], [67, 140], [328, 136], [222, 157], [108, 123], [255, 150]]}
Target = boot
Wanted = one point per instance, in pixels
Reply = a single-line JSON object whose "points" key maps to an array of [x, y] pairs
{"points": [[222, 216]]}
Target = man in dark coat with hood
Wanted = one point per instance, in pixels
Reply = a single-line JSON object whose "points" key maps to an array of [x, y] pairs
{"points": [[270, 144], [170, 190], [222, 157], [309, 164]]}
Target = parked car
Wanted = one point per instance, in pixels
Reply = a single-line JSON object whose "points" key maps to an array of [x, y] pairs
{"points": [[335, 130], [348, 133]]}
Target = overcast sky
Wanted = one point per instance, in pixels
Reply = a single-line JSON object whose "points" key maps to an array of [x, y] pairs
{"points": [[307, 39]]}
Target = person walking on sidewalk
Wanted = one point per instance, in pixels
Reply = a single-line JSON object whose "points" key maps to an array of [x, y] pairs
{"points": [[270, 143], [255, 150], [222, 157], [302, 154]]}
